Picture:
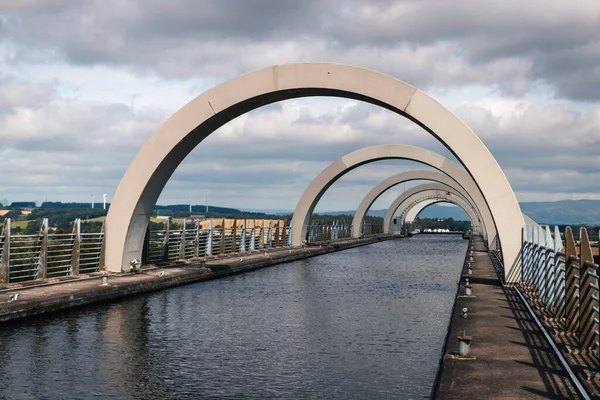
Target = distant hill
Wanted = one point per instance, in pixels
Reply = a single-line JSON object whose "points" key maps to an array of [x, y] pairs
{"points": [[576, 212], [433, 211], [563, 212]]}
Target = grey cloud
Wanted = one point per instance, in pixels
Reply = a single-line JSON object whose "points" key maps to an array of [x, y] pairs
{"points": [[431, 43]]}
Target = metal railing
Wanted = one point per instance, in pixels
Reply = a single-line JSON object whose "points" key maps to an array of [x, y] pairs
{"points": [[53, 255], [48, 255], [321, 233], [563, 282], [213, 238]]}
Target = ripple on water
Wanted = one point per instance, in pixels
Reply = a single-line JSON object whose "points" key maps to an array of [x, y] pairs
{"points": [[363, 323]]}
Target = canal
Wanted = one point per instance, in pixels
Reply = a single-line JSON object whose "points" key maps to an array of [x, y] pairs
{"points": [[369, 322]]}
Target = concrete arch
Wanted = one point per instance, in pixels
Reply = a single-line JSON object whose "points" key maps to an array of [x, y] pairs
{"points": [[410, 193], [453, 176], [429, 197], [447, 195], [152, 167], [421, 206]]}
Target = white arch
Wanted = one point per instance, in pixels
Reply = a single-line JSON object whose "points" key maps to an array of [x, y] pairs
{"points": [[453, 176], [410, 193], [149, 172], [412, 197], [419, 208], [437, 196]]}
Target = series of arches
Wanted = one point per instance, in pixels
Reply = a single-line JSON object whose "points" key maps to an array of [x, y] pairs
{"points": [[152, 167], [429, 197]]}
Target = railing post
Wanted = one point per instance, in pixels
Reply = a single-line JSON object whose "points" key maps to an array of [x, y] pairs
{"points": [[243, 237], [165, 255], [5, 259], [559, 276], [42, 265], [289, 234], [528, 256], [549, 269], [222, 245], [182, 240], [535, 262], [572, 285], [234, 236], [524, 253], [253, 235], [101, 263], [589, 295], [277, 233], [270, 234], [209, 239], [76, 247], [197, 239]]}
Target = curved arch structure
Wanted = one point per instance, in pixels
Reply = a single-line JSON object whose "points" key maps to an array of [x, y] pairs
{"points": [[414, 213], [154, 164], [437, 197], [429, 197], [411, 196], [453, 176], [421, 206]]}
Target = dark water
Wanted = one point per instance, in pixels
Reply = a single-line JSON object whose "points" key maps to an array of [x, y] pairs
{"points": [[363, 323]]}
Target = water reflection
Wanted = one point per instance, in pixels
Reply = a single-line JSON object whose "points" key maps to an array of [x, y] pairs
{"points": [[363, 323]]}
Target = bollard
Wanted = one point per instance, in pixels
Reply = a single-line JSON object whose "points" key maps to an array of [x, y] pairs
{"points": [[104, 281], [464, 312], [470, 258], [468, 291], [464, 345], [469, 271]]}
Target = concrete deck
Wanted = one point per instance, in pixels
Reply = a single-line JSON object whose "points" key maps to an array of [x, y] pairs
{"points": [[512, 358], [52, 296]]}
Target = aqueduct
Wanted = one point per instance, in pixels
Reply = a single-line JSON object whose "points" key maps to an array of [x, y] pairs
{"points": [[152, 167], [461, 177], [426, 198], [418, 193]]}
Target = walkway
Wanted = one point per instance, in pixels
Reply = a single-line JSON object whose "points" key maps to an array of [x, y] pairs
{"points": [[512, 358]]}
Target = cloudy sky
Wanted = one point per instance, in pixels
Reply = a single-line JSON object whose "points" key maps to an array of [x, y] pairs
{"points": [[84, 84]]}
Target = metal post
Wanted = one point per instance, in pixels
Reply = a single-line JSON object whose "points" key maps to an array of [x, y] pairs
{"points": [[589, 295], [42, 267], [197, 239], [559, 276], [243, 237], [524, 251], [234, 237], [5, 259], [572, 284], [76, 247], [165, 248], [534, 261], [289, 236], [222, 245], [101, 263], [549, 269], [270, 235], [181, 255], [253, 235], [209, 239]]}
